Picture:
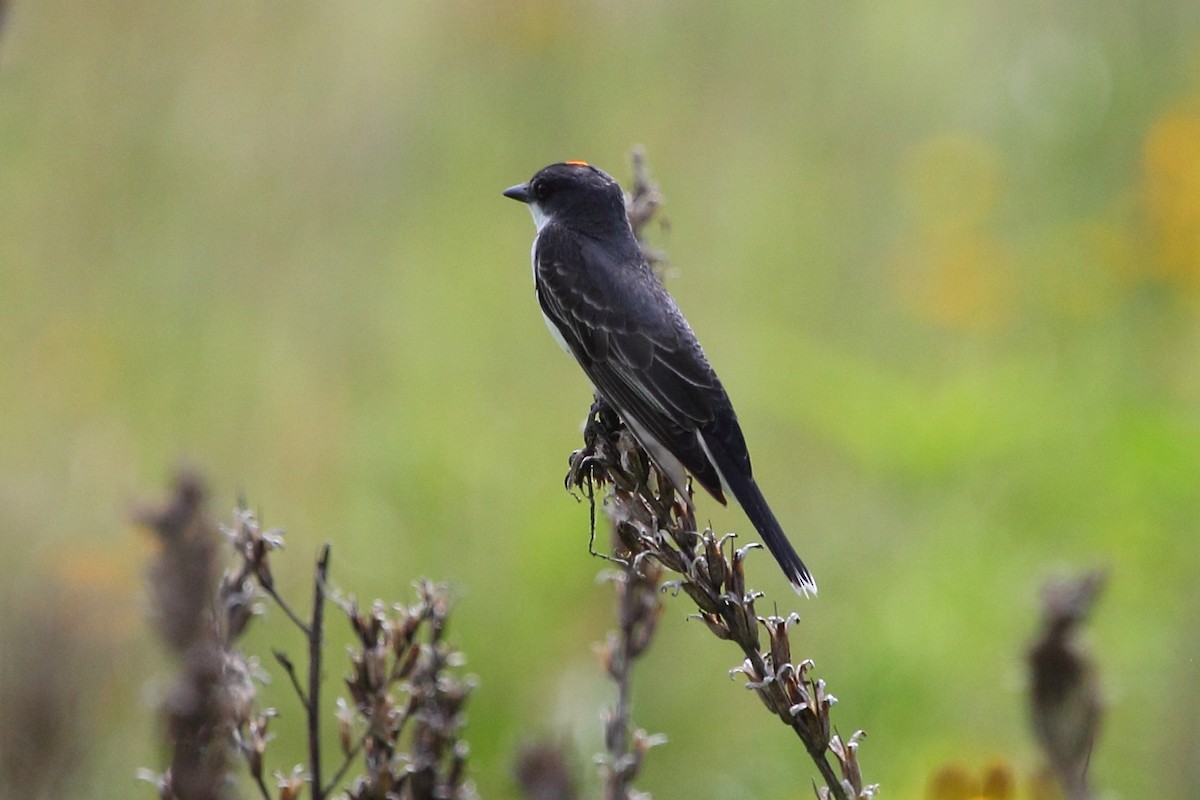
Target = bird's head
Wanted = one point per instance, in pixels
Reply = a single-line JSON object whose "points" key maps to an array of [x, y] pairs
{"points": [[574, 194]]}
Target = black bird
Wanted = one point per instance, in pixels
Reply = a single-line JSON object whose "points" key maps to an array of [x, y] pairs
{"points": [[606, 307]]}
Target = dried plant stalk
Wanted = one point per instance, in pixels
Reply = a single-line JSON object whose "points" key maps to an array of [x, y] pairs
{"points": [[1064, 693], [543, 771], [212, 695], [654, 529], [405, 717], [638, 610]]}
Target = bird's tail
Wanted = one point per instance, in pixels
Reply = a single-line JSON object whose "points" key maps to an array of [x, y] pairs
{"points": [[741, 485]]}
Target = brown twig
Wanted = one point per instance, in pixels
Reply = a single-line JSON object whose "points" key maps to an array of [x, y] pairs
{"points": [[282, 659], [348, 757], [315, 647], [638, 611], [643, 204]]}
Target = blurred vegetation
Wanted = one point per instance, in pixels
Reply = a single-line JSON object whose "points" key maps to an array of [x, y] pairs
{"points": [[945, 256]]}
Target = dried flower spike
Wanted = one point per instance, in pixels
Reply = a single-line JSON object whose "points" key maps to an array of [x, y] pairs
{"points": [[1064, 692]]}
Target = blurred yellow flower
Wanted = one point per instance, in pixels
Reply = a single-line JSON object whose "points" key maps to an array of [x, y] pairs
{"points": [[951, 270], [955, 279], [1171, 192], [952, 182], [954, 782], [97, 585], [997, 782], [1083, 269]]}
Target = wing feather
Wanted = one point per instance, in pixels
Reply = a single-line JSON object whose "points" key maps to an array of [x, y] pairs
{"points": [[631, 340]]}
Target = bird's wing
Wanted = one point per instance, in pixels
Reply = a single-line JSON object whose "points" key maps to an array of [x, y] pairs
{"points": [[633, 343]]}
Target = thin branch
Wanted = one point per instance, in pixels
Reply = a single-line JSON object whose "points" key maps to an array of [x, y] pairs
{"points": [[254, 546], [269, 588], [638, 611], [288, 667], [315, 642], [342, 769], [262, 787]]}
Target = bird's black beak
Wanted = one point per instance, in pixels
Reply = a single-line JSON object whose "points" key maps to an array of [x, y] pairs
{"points": [[518, 192]]}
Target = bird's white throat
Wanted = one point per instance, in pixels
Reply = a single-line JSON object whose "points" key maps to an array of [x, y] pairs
{"points": [[540, 217]]}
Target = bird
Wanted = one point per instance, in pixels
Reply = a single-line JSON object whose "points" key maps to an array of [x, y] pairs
{"points": [[607, 308]]}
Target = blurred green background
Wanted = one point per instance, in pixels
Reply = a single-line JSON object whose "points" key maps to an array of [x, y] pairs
{"points": [[945, 257]]}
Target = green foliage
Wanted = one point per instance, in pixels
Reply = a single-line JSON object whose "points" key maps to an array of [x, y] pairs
{"points": [[946, 258]]}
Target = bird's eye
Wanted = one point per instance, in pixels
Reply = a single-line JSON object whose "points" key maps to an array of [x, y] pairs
{"points": [[537, 188]]}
